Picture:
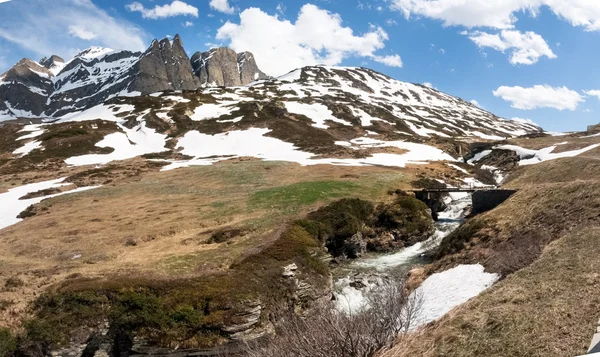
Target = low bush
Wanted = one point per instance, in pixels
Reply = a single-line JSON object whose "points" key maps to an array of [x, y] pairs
{"points": [[8, 343]]}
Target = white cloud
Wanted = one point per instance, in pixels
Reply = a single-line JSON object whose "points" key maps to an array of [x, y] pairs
{"points": [[526, 48], [176, 8], [523, 120], [500, 14], [56, 24], [222, 6], [429, 85], [1, 1], [280, 9], [593, 93], [392, 60], [81, 32], [540, 96], [476, 103], [188, 24], [316, 37], [442, 51], [391, 22]]}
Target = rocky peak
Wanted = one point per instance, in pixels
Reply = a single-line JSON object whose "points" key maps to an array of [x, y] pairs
{"points": [[249, 71], [52, 61], [224, 67], [164, 66], [28, 72], [24, 88]]}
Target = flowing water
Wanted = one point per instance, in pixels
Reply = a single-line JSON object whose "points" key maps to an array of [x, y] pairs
{"points": [[369, 272]]}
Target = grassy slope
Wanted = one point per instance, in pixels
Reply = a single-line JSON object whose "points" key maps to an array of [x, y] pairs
{"points": [[172, 216], [548, 308]]}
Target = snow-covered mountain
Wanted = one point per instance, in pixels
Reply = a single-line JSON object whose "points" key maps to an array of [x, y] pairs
{"points": [[53, 88], [313, 115], [138, 104]]}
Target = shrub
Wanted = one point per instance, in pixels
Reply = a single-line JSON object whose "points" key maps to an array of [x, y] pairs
{"points": [[14, 282], [406, 213], [8, 343], [339, 221], [329, 332]]}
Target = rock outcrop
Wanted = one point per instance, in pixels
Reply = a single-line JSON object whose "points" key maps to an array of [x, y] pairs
{"points": [[249, 71], [54, 63], [224, 67], [164, 66], [25, 88]]}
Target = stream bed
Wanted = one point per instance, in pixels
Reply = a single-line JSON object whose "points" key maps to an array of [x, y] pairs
{"points": [[439, 293]]}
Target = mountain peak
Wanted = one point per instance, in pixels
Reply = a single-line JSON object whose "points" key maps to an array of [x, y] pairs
{"points": [[93, 53]]}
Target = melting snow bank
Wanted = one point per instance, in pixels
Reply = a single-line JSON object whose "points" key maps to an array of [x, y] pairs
{"points": [[11, 206], [444, 291], [462, 283], [208, 149], [27, 148], [530, 157], [133, 142]]}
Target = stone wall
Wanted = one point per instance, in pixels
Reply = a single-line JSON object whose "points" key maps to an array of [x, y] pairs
{"points": [[487, 200]]}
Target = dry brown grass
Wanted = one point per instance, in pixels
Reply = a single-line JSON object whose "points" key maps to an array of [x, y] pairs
{"points": [[574, 142], [548, 309], [171, 216], [549, 233]]}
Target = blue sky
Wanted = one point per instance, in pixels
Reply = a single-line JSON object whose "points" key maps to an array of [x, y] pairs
{"points": [[533, 59]]}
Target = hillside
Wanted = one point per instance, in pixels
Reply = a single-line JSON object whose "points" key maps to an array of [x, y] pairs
{"points": [[544, 241], [147, 206]]}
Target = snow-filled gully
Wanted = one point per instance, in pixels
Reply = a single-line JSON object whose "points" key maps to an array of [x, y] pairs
{"points": [[439, 293]]}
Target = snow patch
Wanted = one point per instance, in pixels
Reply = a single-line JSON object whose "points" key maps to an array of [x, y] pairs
{"points": [[444, 291], [11, 206], [133, 142]]}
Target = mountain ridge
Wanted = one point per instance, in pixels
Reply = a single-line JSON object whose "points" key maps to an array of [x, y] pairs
{"points": [[96, 75]]}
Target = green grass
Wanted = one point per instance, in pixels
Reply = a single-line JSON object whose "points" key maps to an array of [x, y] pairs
{"points": [[291, 197]]}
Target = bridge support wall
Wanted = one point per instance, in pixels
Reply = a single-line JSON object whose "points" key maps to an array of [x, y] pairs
{"points": [[489, 199]]}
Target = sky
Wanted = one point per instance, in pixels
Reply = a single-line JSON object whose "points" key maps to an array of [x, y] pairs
{"points": [[528, 59]]}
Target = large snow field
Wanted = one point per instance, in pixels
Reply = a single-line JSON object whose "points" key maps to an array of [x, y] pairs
{"points": [[11, 206], [208, 149]]}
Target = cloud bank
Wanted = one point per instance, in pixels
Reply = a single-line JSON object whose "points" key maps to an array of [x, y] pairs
{"points": [[316, 37]]}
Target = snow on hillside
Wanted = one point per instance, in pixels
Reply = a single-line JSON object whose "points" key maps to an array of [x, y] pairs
{"points": [[133, 142], [11, 204], [348, 109], [532, 157], [444, 291], [208, 149]]}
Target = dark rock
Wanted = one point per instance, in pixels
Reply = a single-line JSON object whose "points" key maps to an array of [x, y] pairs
{"points": [[25, 87], [52, 62], [249, 71], [224, 67], [164, 66], [356, 246]]}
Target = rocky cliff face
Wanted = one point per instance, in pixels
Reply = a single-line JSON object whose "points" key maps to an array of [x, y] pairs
{"points": [[224, 67], [165, 65], [25, 88], [54, 88], [249, 71]]}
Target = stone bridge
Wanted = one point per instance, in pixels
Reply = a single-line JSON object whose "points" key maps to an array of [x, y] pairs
{"points": [[484, 198]]}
